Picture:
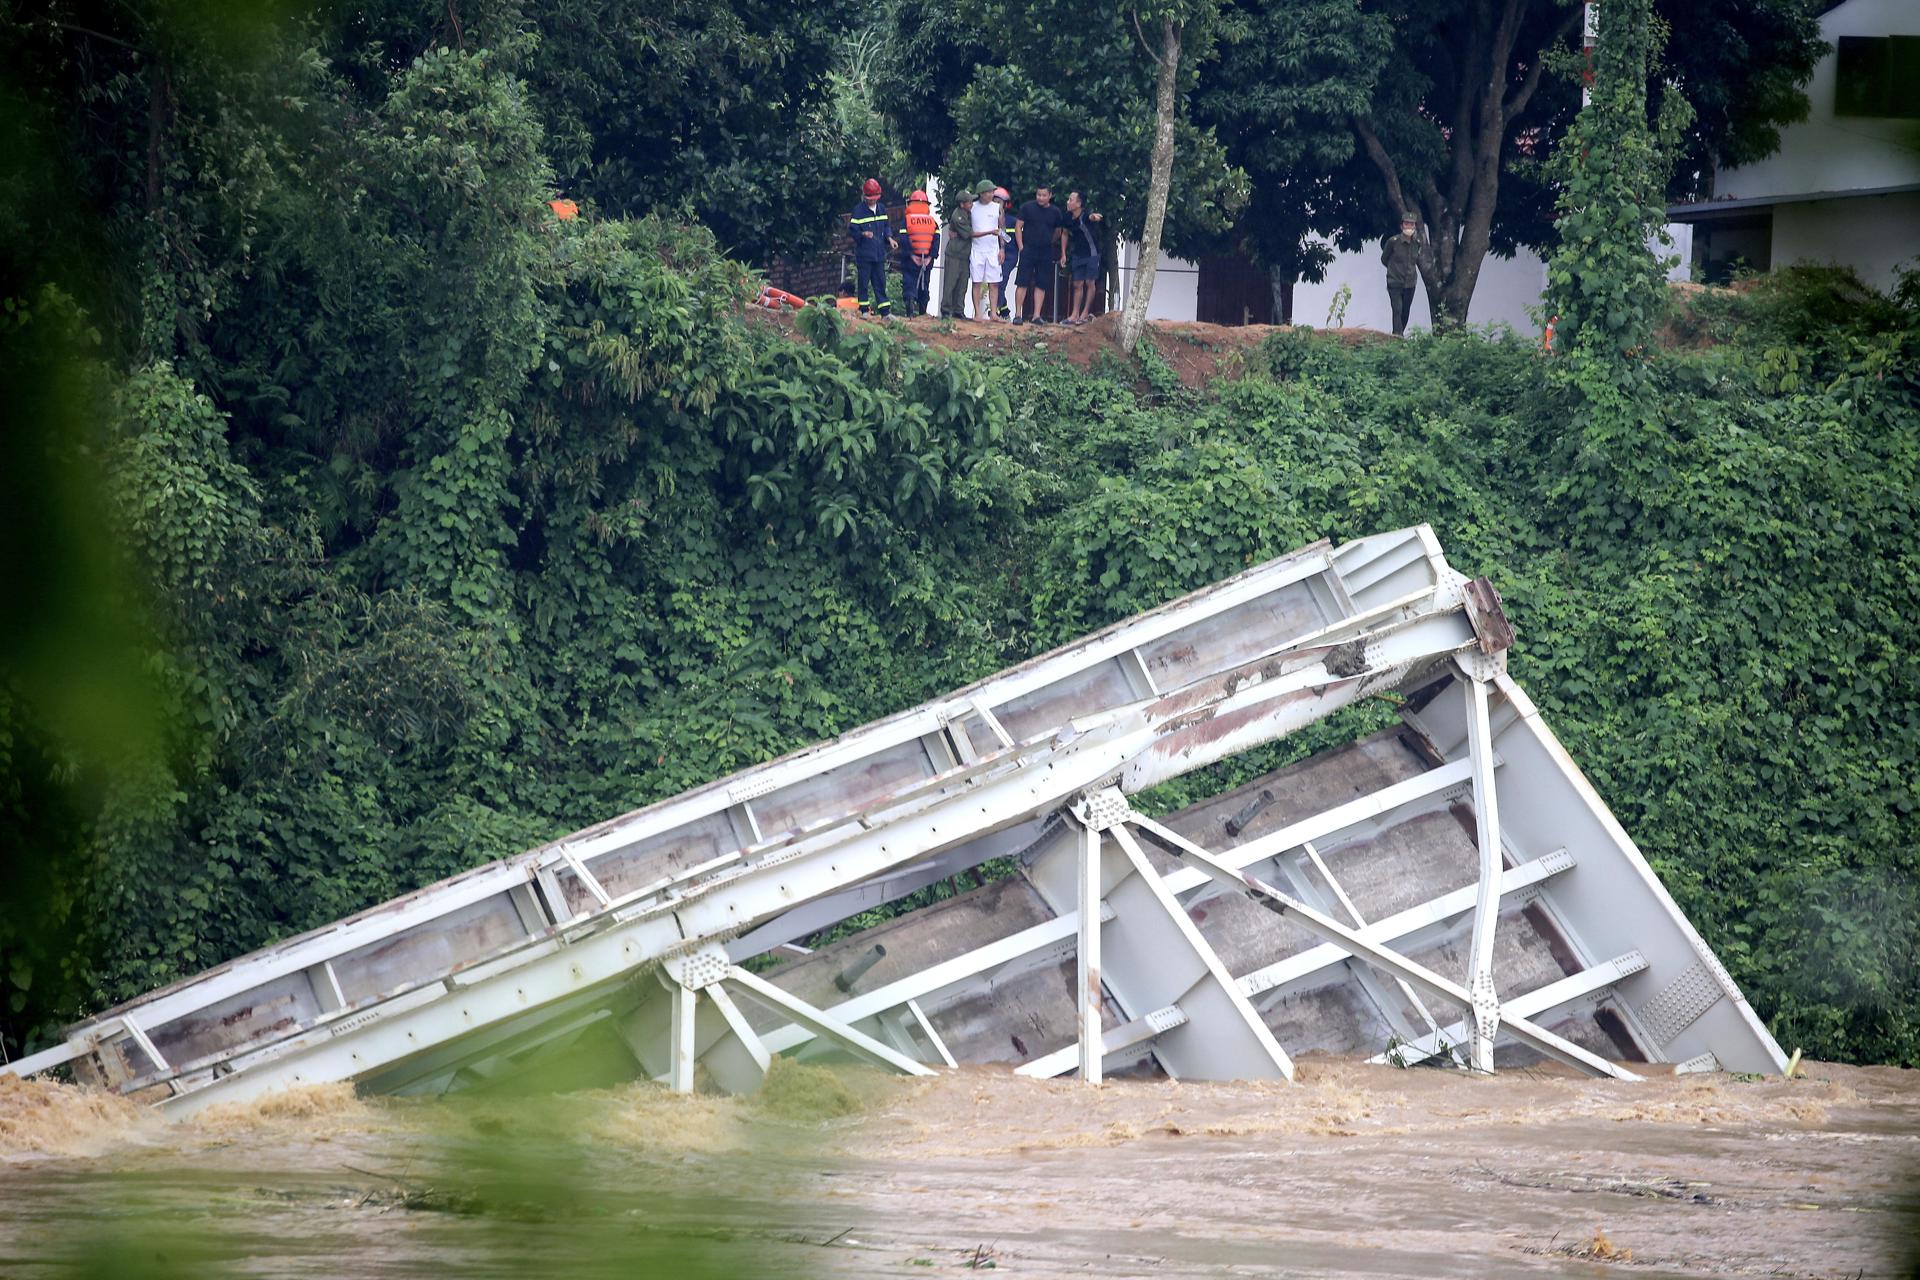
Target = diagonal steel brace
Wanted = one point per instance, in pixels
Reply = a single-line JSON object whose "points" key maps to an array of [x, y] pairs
{"points": [[1389, 962]]}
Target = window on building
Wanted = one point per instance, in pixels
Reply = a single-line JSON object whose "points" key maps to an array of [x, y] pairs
{"points": [[1732, 245], [1878, 76]]}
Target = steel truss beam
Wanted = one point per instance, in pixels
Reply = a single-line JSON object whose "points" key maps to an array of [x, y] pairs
{"points": [[1554, 995], [641, 920], [1356, 945]]}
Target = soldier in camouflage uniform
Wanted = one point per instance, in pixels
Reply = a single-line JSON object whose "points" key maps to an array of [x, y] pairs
{"points": [[1403, 254], [953, 265]]}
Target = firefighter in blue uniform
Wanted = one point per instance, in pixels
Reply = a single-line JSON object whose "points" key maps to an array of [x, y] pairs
{"points": [[871, 228]]}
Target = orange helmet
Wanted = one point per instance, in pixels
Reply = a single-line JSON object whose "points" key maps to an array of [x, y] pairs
{"points": [[917, 195]]}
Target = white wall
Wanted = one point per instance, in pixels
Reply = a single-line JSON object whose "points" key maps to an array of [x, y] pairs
{"points": [[1176, 284], [1826, 153], [1871, 234], [1507, 287]]}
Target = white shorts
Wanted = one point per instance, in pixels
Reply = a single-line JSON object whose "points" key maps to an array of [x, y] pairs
{"points": [[984, 264]]}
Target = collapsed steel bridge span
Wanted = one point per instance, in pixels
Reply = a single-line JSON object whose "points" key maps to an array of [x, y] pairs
{"points": [[1450, 887]]}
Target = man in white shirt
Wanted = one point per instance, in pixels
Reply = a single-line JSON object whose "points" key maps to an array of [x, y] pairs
{"points": [[983, 264]]}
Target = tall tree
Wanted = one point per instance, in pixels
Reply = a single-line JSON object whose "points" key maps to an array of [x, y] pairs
{"points": [[1463, 104], [1605, 282], [1287, 77], [1455, 99], [1166, 82], [1086, 95], [1742, 66]]}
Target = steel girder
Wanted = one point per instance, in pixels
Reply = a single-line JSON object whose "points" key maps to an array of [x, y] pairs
{"points": [[638, 923]]}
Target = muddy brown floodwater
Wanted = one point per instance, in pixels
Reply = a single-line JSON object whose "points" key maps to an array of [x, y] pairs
{"points": [[1355, 1171]]}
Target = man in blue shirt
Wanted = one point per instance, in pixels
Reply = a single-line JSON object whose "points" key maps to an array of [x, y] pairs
{"points": [[871, 229]]}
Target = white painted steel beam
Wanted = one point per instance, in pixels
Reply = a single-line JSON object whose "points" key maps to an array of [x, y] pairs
{"points": [[1388, 961], [1321, 825], [1530, 1005], [1216, 1012], [1089, 1004], [1133, 1032], [939, 976], [684, 1001], [738, 1061], [1360, 922], [925, 1024], [1391, 928], [824, 1024], [1486, 904]]}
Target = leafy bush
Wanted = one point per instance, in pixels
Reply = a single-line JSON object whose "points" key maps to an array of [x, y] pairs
{"points": [[445, 527]]}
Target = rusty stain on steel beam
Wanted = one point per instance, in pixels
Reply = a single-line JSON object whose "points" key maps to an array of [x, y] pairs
{"points": [[1488, 616]]}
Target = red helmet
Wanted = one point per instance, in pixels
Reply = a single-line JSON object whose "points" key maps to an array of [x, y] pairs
{"points": [[872, 188], [1000, 193], [917, 195]]}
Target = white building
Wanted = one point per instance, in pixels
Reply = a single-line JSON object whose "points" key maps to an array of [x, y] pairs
{"points": [[1844, 188]]}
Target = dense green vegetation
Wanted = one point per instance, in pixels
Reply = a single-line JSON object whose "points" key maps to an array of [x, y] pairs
{"points": [[369, 522]]}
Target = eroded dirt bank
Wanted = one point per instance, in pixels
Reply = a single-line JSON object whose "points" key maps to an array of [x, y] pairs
{"points": [[1356, 1171]]}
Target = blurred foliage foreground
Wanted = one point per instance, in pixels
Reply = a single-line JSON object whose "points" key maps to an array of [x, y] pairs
{"points": [[418, 527]]}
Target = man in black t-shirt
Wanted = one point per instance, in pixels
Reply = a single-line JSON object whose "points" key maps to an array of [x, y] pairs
{"points": [[1084, 232], [1037, 230]]}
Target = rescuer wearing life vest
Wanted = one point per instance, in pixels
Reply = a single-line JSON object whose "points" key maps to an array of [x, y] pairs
{"points": [[871, 229], [917, 254]]}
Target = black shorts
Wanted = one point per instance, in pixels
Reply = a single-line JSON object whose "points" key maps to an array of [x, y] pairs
{"points": [[1036, 268], [1086, 267]]}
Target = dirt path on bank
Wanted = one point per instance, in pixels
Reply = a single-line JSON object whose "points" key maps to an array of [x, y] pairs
{"points": [[1198, 353], [1355, 1171]]}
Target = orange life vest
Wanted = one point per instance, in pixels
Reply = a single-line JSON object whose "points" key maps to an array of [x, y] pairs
{"points": [[921, 226], [565, 210]]}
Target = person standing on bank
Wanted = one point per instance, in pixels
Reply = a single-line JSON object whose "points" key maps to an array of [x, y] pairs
{"points": [[1009, 252], [1036, 229], [1083, 251], [983, 266], [959, 249], [871, 228], [1403, 255], [917, 254]]}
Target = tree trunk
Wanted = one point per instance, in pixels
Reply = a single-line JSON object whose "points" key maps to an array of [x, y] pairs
{"points": [[1459, 216], [1282, 282], [1133, 322], [159, 117]]}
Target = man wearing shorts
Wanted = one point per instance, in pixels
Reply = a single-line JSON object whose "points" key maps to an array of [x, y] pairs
{"points": [[983, 263], [1083, 253], [1036, 228]]}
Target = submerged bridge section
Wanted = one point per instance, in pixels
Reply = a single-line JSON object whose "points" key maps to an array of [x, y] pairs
{"points": [[1451, 887]]}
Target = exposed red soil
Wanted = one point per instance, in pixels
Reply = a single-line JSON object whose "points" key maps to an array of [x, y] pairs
{"points": [[1198, 353]]}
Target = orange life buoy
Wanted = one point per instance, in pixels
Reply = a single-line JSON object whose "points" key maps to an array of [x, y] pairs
{"points": [[777, 298]]}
